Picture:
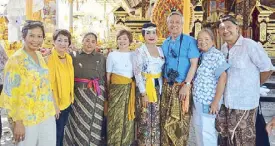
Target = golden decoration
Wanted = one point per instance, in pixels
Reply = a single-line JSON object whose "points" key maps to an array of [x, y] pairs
{"points": [[48, 42], [10, 48], [163, 8], [271, 38], [197, 28], [263, 31]]}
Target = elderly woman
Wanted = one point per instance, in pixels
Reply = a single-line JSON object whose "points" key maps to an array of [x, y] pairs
{"points": [[148, 62], [209, 84], [85, 121], [121, 99], [62, 79], [27, 93]]}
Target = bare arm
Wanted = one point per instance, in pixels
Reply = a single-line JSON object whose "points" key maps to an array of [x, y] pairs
{"points": [[184, 93], [192, 70], [108, 77], [214, 107], [220, 87], [264, 76]]}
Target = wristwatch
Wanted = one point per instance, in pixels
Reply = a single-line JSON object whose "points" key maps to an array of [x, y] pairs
{"points": [[187, 83]]}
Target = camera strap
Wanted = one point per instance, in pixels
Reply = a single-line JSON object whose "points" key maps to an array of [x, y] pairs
{"points": [[181, 38], [178, 61]]}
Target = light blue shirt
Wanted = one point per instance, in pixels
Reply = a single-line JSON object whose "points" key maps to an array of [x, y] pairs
{"points": [[171, 52], [213, 64]]}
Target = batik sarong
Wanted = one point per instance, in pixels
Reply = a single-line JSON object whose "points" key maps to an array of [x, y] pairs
{"points": [[148, 123], [84, 126], [174, 124], [236, 127], [120, 129]]}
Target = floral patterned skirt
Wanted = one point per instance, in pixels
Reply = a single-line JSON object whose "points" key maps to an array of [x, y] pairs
{"points": [[148, 123]]}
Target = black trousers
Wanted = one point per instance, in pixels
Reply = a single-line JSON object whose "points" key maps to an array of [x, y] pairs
{"points": [[1, 87]]}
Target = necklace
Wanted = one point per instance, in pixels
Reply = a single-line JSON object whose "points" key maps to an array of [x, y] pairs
{"points": [[62, 57]]}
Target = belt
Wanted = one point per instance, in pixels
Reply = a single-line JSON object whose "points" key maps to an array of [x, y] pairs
{"points": [[172, 83], [91, 83]]}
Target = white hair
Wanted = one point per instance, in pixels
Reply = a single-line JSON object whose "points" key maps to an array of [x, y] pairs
{"points": [[175, 13]]}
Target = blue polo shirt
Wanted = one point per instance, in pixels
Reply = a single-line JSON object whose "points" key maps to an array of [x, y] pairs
{"points": [[171, 52]]}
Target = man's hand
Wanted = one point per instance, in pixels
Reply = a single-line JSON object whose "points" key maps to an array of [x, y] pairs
{"points": [[184, 97], [184, 92], [270, 125], [19, 131]]}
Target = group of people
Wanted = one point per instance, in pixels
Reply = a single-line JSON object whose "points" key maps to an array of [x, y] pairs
{"points": [[72, 94]]}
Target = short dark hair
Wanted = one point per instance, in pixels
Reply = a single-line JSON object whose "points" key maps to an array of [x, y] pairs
{"points": [[64, 32], [146, 25], [125, 32], [30, 24], [89, 33], [228, 18]]}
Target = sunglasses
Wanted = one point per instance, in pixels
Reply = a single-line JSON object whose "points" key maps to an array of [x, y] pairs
{"points": [[28, 22], [228, 18]]}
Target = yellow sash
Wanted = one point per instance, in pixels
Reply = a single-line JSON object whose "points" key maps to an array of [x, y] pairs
{"points": [[118, 79], [150, 88]]}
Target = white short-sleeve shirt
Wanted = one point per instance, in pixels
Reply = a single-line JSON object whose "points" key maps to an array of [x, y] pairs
{"points": [[247, 59], [120, 63]]}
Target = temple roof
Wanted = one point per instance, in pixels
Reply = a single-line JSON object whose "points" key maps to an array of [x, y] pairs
{"points": [[133, 3]]}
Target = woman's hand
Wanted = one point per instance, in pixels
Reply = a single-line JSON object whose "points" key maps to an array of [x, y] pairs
{"points": [[19, 131], [57, 111], [144, 100], [214, 108]]}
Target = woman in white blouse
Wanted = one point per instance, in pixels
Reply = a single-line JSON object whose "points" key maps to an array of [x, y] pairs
{"points": [[147, 63], [121, 93]]}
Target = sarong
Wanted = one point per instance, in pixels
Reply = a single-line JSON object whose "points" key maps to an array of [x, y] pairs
{"points": [[174, 125], [236, 127], [148, 121], [84, 126], [120, 130]]}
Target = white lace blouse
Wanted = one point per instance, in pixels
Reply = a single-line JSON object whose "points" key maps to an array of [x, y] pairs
{"points": [[143, 62]]}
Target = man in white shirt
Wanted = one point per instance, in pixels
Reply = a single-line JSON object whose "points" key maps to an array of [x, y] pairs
{"points": [[250, 67]]}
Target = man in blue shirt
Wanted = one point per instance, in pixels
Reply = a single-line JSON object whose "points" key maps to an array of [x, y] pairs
{"points": [[181, 59]]}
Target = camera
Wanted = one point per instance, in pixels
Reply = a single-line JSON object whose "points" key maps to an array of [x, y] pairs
{"points": [[172, 75]]}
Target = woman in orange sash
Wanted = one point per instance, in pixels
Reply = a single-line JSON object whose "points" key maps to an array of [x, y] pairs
{"points": [[120, 118]]}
